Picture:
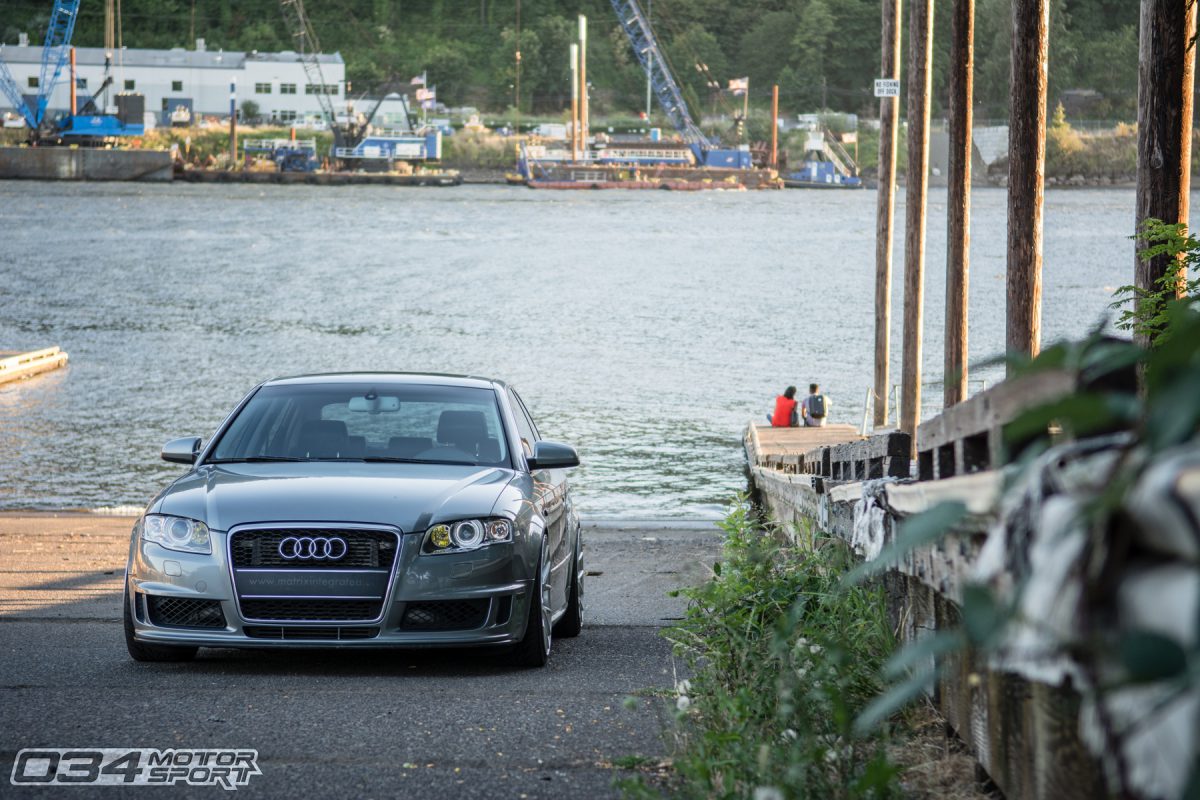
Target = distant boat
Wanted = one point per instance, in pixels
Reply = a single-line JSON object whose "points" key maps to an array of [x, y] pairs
{"points": [[826, 165]]}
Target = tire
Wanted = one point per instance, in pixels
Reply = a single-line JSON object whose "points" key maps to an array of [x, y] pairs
{"points": [[153, 653], [534, 648], [571, 622]]}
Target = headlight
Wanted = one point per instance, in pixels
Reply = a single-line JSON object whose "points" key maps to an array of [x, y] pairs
{"points": [[466, 535], [176, 533]]}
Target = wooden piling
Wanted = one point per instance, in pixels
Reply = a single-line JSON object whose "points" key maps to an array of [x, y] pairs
{"points": [[889, 111], [74, 86], [920, 78], [1166, 68], [958, 202], [775, 126], [1026, 175]]}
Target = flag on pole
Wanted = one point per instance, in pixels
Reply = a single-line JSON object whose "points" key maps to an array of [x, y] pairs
{"points": [[426, 94], [739, 85], [418, 80]]}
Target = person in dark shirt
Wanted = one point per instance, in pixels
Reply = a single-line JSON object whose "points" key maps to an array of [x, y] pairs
{"points": [[815, 408]]}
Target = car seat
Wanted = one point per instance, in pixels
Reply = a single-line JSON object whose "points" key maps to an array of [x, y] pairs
{"points": [[321, 438], [462, 429]]}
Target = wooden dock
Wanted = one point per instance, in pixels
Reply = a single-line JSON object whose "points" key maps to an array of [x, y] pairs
{"points": [[15, 365], [783, 449]]}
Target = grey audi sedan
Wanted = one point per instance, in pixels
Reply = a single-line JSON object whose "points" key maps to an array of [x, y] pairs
{"points": [[361, 510]]}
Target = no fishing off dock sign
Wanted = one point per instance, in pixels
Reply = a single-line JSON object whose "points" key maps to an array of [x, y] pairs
{"points": [[887, 87]]}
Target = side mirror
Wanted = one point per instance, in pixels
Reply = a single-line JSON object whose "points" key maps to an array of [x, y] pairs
{"points": [[182, 451], [552, 455]]}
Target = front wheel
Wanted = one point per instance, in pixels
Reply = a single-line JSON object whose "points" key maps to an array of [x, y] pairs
{"points": [[534, 648], [141, 651], [571, 622]]}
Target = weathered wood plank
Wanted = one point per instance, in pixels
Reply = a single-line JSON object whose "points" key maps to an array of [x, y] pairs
{"points": [[968, 437]]}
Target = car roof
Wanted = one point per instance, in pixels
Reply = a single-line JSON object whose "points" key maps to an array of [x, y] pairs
{"points": [[410, 378]]}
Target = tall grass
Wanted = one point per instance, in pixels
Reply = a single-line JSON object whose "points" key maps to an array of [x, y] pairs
{"points": [[782, 659]]}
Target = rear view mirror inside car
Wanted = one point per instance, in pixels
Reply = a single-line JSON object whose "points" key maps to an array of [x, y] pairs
{"points": [[374, 404]]}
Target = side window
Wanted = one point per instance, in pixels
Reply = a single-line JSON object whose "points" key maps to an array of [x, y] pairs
{"points": [[524, 425]]}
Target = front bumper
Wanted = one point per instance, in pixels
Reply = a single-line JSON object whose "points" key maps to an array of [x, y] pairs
{"points": [[493, 584]]}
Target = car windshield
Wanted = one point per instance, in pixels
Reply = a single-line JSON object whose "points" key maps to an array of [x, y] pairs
{"points": [[367, 422]]}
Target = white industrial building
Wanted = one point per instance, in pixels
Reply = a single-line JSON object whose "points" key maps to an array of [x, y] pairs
{"points": [[194, 79]]}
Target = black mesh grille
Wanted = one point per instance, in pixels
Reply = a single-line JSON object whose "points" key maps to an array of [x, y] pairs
{"points": [[364, 548], [451, 615], [180, 612], [311, 608], [309, 632]]}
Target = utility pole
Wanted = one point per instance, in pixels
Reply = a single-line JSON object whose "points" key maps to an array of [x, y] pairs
{"points": [[233, 159], [517, 75], [649, 63], [1026, 168], [583, 87], [920, 79], [1166, 69], [574, 102], [889, 111], [958, 205], [110, 41]]}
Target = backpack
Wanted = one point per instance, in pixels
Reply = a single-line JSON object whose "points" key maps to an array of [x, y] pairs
{"points": [[816, 406]]}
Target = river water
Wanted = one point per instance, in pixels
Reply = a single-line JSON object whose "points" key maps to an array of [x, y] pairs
{"points": [[646, 328]]}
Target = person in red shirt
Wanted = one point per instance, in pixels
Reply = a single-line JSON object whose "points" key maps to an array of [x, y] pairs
{"points": [[785, 409]]}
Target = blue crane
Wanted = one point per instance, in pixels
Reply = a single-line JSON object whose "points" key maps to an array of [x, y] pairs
{"points": [[670, 97], [84, 126], [54, 56]]}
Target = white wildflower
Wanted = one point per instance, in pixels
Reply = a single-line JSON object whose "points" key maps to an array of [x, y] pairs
{"points": [[767, 793], [816, 648], [789, 735], [683, 687], [683, 702]]}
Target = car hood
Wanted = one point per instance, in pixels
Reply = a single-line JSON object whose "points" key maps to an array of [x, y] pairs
{"points": [[408, 496]]}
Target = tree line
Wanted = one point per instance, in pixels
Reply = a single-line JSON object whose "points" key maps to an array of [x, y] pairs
{"points": [[824, 54]]}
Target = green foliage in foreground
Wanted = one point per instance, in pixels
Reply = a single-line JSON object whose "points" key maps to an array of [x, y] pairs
{"points": [[782, 661], [1161, 418], [1144, 311]]}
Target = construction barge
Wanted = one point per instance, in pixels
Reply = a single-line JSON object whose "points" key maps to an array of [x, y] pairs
{"points": [[695, 161]]}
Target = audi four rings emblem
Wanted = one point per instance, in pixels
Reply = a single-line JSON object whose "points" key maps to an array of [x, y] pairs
{"points": [[313, 548]]}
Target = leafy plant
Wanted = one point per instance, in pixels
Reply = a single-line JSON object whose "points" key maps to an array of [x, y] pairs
{"points": [[1144, 311], [781, 661]]}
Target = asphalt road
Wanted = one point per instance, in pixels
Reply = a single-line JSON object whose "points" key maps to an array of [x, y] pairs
{"points": [[379, 724]]}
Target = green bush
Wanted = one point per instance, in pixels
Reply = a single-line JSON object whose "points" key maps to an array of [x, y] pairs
{"points": [[782, 659]]}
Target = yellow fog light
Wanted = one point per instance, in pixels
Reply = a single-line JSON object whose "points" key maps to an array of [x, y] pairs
{"points": [[440, 535]]}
